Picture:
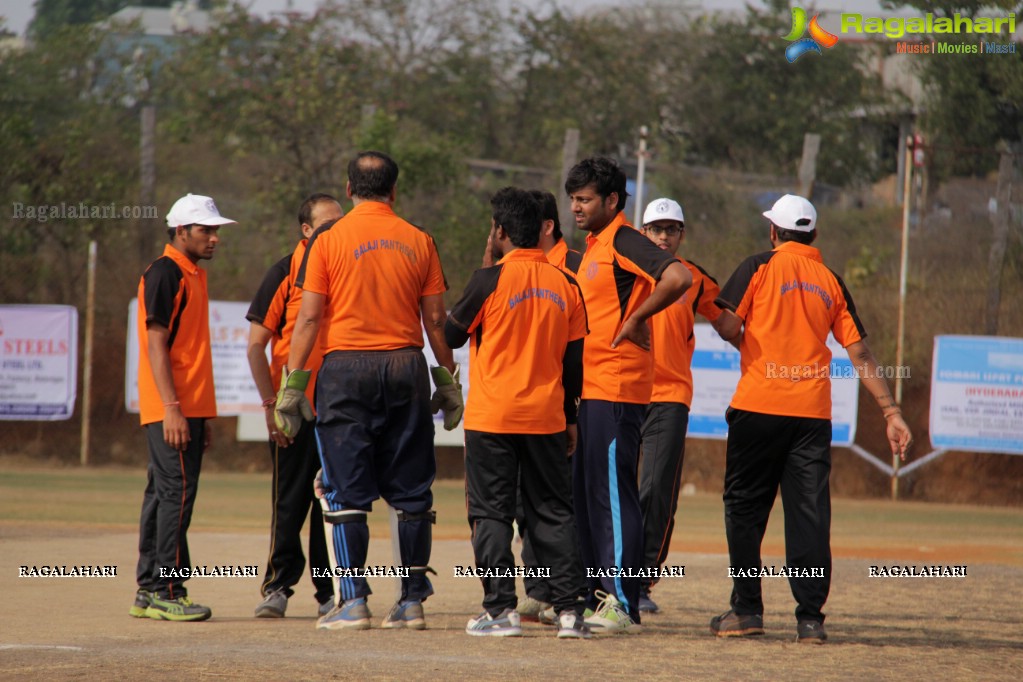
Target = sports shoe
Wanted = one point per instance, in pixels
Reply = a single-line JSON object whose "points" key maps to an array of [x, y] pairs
{"points": [[530, 609], [142, 600], [572, 626], [273, 605], [353, 614], [325, 607], [610, 617], [549, 617], [731, 624], [405, 614], [811, 632], [507, 624], [180, 609], [648, 605]]}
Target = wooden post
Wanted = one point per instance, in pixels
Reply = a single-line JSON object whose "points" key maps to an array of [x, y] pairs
{"points": [[996, 259], [90, 323], [903, 270], [808, 164], [147, 179], [569, 153]]}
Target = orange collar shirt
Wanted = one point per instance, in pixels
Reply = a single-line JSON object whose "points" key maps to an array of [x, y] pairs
{"points": [[276, 307], [561, 256], [789, 301], [520, 316], [672, 341], [172, 293], [618, 272], [373, 268]]}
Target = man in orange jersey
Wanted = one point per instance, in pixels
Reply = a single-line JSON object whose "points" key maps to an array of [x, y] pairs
{"points": [[295, 460], [625, 280], [374, 280], [525, 321], [176, 398], [782, 305], [536, 605], [667, 416]]}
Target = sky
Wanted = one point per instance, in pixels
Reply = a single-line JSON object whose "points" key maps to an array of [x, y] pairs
{"points": [[18, 13]]}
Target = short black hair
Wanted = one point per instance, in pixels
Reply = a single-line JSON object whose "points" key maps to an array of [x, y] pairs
{"points": [[305, 211], [795, 235], [602, 172], [518, 213], [548, 209], [372, 175], [171, 231]]}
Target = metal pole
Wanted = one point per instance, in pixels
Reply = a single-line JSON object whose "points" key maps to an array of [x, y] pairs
{"points": [[903, 268], [637, 221], [90, 321]]}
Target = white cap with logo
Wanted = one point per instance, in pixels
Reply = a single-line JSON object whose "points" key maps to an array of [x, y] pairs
{"points": [[793, 212], [195, 209], [663, 209]]}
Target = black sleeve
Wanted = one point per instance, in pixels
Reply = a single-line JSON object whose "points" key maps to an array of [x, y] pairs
{"points": [[850, 306], [481, 285], [572, 379], [300, 277], [573, 259], [277, 273], [162, 281], [735, 288], [650, 258]]}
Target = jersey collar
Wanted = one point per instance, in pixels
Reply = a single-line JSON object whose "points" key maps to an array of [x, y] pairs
{"points": [[181, 259], [371, 208], [524, 255], [798, 249], [608, 233]]}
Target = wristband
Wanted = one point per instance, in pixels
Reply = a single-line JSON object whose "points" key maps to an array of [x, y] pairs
{"points": [[178, 403], [270, 402]]}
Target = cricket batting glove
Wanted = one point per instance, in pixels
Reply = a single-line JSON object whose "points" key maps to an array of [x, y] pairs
{"points": [[292, 406], [448, 396]]}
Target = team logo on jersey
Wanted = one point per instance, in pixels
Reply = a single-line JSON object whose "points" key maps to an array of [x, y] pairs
{"points": [[591, 270], [800, 45]]}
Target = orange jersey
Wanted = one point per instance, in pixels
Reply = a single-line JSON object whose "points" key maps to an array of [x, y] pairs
{"points": [[374, 268], [619, 270], [563, 257], [172, 293], [276, 307], [788, 301], [672, 341], [520, 316]]}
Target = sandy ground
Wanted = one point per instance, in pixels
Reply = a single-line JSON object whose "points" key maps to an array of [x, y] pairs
{"points": [[79, 628]]}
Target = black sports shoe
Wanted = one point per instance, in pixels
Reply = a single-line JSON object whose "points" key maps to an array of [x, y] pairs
{"points": [[731, 624], [811, 632]]}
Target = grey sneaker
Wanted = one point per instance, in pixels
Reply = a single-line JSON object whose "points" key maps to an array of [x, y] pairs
{"points": [[273, 605], [507, 624], [529, 609], [548, 616], [405, 614], [325, 607], [731, 624], [811, 632], [142, 601], [351, 615], [180, 609], [572, 626]]}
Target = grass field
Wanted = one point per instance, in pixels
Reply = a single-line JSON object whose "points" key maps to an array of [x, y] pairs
{"points": [[957, 628]]}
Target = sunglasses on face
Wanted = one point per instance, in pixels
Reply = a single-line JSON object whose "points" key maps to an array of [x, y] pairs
{"points": [[671, 230]]}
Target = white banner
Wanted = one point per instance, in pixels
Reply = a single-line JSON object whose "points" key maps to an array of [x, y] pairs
{"points": [[38, 362], [977, 394], [229, 336], [716, 373]]}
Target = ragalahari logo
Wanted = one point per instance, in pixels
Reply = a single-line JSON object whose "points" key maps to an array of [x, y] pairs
{"points": [[818, 36]]}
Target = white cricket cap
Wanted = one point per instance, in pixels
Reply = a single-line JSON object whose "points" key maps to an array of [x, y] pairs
{"points": [[663, 209], [195, 209], [793, 212]]}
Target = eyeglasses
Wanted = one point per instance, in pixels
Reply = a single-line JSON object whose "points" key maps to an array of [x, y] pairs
{"points": [[670, 230]]}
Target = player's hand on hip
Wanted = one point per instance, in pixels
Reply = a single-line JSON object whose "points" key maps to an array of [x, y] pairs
{"points": [[572, 438], [899, 436], [175, 428], [318, 490], [633, 330], [292, 406], [448, 396]]}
